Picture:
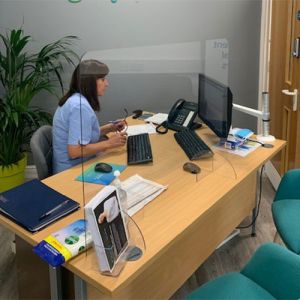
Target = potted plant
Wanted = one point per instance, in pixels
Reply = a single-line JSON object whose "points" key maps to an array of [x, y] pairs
{"points": [[23, 76]]}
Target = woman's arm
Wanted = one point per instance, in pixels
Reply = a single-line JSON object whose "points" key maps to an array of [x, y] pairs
{"points": [[117, 140], [107, 128]]}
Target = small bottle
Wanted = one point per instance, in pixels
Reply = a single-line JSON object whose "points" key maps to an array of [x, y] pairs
{"points": [[122, 193]]}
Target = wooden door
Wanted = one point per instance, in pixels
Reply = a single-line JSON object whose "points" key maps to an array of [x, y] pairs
{"points": [[284, 75]]}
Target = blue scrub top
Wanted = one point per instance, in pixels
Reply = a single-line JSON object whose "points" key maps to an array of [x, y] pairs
{"points": [[67, 130]]}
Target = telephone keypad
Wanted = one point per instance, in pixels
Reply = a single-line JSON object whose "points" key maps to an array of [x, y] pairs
{"points": [[180, 119], [181, 115]]}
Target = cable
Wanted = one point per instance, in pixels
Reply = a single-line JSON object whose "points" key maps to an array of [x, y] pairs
{"points": [[255, 141], [258, 204], [162, 128]]}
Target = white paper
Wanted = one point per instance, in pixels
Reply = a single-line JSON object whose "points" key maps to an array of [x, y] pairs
{"points": [[140, 191], [138, 129], [157, 118]]}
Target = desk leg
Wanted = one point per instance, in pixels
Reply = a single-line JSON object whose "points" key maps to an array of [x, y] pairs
{"points": [[253, 232], [254, 211], [80, 288], [33, 273], [55, 283]]}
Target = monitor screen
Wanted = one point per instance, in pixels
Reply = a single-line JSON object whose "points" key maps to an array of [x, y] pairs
{"points": [[215, 105]]}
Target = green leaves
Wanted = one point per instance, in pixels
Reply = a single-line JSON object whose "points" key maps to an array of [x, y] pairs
{"points": [[23, 76], [18, 123]]}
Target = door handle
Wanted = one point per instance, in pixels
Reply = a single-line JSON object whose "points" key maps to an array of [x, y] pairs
{"points": [[296, 48], [294, 94]]}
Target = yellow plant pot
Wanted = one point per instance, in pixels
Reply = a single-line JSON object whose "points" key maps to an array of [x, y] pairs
{"points": [[13, 175]]}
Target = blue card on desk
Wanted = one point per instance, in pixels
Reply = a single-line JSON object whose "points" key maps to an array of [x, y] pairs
{"points": [[34, 205], [91, 176]]}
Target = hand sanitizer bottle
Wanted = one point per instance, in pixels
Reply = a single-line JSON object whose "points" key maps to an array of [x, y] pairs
{"points": [[122, 193]]}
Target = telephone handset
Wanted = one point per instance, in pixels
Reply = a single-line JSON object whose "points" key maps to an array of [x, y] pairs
{"points": [[182, 115]]}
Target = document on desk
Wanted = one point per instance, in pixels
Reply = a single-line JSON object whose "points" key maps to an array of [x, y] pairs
{"points": [[157, 118], [243, 150], [138, 129], [140, 192]]}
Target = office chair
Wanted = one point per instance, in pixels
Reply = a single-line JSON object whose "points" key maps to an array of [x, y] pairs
{"points": [[286, 210], [272, 273], [41, 147]]}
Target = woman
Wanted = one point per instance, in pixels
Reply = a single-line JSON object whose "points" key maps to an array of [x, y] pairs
{"points": [[76, 131]]}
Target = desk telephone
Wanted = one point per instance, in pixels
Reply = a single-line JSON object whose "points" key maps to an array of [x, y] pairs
{"points": [[181, 116]]}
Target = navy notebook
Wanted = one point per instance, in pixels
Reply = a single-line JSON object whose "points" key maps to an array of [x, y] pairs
{"points": [[34, 205]]}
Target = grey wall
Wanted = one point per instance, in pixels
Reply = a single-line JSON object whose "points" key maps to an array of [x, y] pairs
{"points": [[146, 27]]}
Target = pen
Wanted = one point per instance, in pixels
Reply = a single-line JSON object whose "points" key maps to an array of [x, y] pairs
{"points": [[48, 213], [114, 122]]}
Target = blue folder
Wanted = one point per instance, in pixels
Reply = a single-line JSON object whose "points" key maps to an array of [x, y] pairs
{"points": [[34, 205]]}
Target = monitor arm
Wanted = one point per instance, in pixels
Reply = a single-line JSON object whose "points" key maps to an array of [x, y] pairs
{"points": [[264, 114]]}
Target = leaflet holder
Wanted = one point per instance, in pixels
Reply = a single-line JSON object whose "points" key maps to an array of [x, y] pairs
{"points": [[135, 248]]}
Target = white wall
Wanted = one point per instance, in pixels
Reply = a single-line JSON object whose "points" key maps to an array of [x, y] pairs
{"points": [[142, 24]]}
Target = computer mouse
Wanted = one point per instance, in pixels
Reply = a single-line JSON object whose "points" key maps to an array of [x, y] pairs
{"points": [[103, 167], [191, 168]]}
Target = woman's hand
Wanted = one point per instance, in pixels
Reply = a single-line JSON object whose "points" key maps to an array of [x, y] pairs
{"points": [[118, 125], [117, 140], [102, 217], [115, 126]]}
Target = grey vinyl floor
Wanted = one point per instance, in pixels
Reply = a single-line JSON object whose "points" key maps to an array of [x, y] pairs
{"points": [[230, 257]]}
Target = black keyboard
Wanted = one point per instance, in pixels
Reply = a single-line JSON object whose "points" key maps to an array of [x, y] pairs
{"points": [[139, 149], [192, 144]]}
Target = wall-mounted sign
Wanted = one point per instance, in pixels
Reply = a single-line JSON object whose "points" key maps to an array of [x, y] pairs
{"points": [[298, 15]]}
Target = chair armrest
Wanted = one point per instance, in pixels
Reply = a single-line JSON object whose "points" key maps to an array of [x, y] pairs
{"points": [[276, 269], [289, 187]]}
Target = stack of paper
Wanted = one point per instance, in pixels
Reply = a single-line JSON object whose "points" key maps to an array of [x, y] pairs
{"points": [[138, 129], [242, 150], [157, 118], [140, 191]]}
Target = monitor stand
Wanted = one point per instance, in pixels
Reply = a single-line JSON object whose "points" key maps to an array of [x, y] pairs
{"points": [[196, 126]]}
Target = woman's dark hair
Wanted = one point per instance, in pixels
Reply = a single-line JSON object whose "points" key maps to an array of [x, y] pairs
{"points": [[84, 82]]}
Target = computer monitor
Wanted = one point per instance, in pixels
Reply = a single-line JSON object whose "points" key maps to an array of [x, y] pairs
{"points": [[215, 105]]}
